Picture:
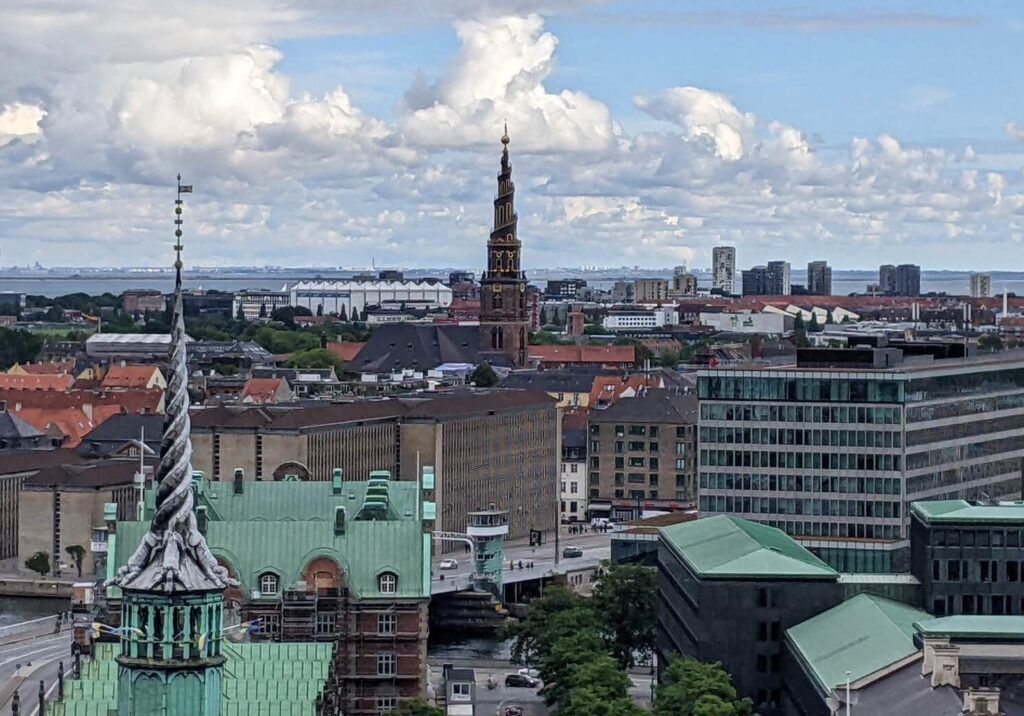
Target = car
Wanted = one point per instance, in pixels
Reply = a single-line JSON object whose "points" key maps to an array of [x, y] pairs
{"points": [[569, 552], [449, 564], [521, 680], [513, 710], [526, 671]]}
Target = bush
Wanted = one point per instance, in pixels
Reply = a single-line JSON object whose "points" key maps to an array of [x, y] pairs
{"points": [[39, 562]]}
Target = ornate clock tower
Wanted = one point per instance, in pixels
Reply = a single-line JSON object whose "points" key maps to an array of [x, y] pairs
{"points": [[503, 319]]}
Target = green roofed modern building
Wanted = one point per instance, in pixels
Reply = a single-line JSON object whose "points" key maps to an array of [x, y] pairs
{"points": [[834, 449], [727, 590]]}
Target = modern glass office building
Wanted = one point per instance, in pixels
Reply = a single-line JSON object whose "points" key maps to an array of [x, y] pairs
{"points": [[835, 456]]}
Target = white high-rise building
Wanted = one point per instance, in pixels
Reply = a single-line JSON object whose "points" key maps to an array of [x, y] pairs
{"points": [[723, 268]]}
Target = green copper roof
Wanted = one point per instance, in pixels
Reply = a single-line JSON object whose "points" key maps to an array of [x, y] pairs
{"points": [[723, 547], [262, 679], [956, 511], [1009, 628], [281, 527], [862, 635]]}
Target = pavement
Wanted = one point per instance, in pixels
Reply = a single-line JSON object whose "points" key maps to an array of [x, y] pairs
{"points": [[596, 548]]}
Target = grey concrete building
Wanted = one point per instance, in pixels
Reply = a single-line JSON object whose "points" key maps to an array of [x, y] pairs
{"points": [[835, 449], [723, 268], [819, 278], [650, 290]]}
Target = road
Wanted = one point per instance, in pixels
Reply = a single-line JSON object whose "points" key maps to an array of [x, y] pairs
{"points": [[24, 663], [596, 547], [492, 702]]}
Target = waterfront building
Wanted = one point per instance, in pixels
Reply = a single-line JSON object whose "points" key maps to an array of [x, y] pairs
{"points": [[137, 303], [834, 449], [819, 278], [728, 589], [723, 268], [641, 454], [564, 289], [650, 290], [351, 297], [16, 467], [341, 562], [623, 292], [504, 320], [981, 285], [902, 280], [770, 280], [498, 447]]}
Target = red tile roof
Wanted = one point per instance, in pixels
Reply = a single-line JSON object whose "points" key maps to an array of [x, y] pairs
{"points": [[42, 382], [261, 390], [56, 368], [582, 355], [345, 350], [128, 376], [609, 388]]}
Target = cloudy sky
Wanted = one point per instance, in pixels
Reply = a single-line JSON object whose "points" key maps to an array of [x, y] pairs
{"points": [[330, 132]]}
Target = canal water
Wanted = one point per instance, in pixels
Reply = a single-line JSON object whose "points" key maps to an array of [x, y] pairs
{"points": [[22, 609]]}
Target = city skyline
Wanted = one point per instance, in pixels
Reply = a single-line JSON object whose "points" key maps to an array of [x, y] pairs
{"points": [[315, 136]]}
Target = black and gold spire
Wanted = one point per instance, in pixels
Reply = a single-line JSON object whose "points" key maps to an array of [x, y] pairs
{"points": [[503, 320]]}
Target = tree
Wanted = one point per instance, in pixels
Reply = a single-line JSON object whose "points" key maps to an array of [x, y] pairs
{"points": [[642, 352], [287, 314], [799, 332], [669, 358], [319, 309], [543, 338], [54, 314], [417, 707], [342, 315], [599, 688], [483, 376], [18, 346], [567, 655], [317, 358], [626, 600], [355, 314], [240, 315], [77, 553], [39, 562], [691, 688], [990, 342]]}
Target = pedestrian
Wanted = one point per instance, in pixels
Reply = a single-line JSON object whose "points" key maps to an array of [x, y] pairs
{"points": [[520, 564]]}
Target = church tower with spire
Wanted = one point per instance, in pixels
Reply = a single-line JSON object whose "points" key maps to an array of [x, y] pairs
{"points": [[172, 587], [503, 318]]}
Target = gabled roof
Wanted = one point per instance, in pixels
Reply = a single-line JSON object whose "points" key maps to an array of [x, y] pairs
{"points": [[262, 390], [583, 354], [962, 511], [396, 346], [52, 368], [657, 405], [578, 380], [281, 526], [92, 475], [863, 635], [14, 428], [607, 389], [23, 461], [345, 350], [129, 376], [42, 381], [724, 547]]}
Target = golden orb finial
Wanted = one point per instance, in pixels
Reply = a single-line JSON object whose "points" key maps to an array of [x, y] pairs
{"points": [[504, 138]]}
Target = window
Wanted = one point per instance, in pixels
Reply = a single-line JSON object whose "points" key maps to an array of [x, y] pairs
{"points": [[386, 664], [268, 583], [387, 704], [387, 623], [460, 692], [387, 583]]}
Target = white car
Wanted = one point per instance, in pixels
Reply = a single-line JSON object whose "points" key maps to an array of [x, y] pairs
{"points": [[449, 564]]}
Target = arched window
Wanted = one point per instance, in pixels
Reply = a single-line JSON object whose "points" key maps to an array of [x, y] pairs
{"points": [[269, 583], [387, 583]]}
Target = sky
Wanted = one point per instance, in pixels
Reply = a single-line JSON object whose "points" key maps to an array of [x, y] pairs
{"points": [[340, 132]]}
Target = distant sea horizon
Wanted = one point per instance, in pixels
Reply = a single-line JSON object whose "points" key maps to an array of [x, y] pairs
{"points": [[94, 282]]}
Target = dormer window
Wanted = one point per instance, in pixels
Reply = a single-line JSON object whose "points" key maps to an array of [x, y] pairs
{"points": [[387, 583], [269, 584]]}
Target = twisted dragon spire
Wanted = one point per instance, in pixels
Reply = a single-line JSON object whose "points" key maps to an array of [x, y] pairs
{"points": [[173, 555]]}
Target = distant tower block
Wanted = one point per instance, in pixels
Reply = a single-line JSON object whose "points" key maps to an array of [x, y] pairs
{"points": [[489, 528]]}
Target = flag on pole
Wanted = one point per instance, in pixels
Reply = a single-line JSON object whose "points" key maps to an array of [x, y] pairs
{"points": [[185, 188]]}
